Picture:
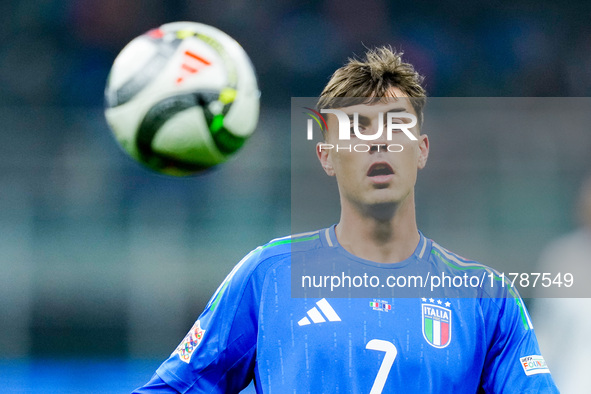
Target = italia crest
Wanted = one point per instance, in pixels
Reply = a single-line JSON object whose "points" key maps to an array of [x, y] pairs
{"points": [[436, 323]]}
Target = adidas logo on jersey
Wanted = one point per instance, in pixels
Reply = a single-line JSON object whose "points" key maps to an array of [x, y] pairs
{"points": [[317, 317]]}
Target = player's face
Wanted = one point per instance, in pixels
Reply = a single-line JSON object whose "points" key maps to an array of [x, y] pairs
{"points": [[378, 176]]}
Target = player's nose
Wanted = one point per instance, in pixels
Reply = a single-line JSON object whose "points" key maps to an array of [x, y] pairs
{"points": [[378, 146]]}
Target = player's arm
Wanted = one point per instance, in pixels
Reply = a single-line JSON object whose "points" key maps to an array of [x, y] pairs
{"points": [[513, 363], [218, 353], [155, 385]]}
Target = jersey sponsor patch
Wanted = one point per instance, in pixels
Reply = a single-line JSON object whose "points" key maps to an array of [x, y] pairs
{"points": [[533, 365], [436, 322], [190, 342]]}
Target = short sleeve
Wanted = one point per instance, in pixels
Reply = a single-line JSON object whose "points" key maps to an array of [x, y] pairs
{"points": [[155, 385], [218, 353], [513, 362]]}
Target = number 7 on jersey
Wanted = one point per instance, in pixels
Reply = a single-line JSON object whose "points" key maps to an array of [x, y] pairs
{"points": [[389, 357]]}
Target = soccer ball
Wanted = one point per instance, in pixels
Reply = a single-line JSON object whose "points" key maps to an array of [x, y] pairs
{"points": [[182, 98]]}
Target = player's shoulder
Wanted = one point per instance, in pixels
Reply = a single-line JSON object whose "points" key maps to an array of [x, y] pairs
{"points": [[282, 249], [483, 282], [294, 243], [256, 265], [479, 280], [444, 258]]}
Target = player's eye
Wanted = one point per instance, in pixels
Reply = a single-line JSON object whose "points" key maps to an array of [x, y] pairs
{"points": [[398, 121], [361, 129]]}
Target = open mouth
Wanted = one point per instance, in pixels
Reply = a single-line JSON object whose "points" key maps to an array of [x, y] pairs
{"points": [[380, 169]]}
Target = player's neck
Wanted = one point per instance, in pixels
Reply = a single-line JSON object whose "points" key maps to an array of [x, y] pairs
{"points": [[381, 238]]}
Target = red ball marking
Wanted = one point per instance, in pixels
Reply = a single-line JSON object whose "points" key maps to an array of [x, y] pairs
{"points": [[155, 33]]}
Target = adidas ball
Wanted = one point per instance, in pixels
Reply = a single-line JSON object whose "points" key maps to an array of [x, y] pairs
{"points": [[182, 98]]}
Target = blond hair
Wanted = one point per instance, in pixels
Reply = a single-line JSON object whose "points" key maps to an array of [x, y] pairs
{"points": [[369, 80]]}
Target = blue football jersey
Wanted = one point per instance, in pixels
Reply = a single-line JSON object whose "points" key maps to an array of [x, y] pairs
{"points": [[253, 328]]}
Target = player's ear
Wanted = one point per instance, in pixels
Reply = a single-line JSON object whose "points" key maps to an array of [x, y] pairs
{"points": [[322, 151], [423, 151]]}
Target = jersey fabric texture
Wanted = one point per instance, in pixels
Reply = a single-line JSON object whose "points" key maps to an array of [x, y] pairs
{"points": [[252, 328]]}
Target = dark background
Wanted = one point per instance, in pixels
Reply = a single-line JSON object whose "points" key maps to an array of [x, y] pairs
{"points": [[104, 261]]}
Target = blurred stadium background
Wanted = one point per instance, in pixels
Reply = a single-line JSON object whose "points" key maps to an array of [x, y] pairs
{"points": [[104, 266]]}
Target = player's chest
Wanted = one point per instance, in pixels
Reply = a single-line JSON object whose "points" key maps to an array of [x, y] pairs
{"points": [[423, 339], [429, 323]]}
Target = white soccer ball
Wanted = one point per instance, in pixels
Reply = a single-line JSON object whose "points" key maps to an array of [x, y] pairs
{"points": [[182, 98]]}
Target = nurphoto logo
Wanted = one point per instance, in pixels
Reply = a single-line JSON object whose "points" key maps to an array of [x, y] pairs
{"points": [[349, 126]]}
